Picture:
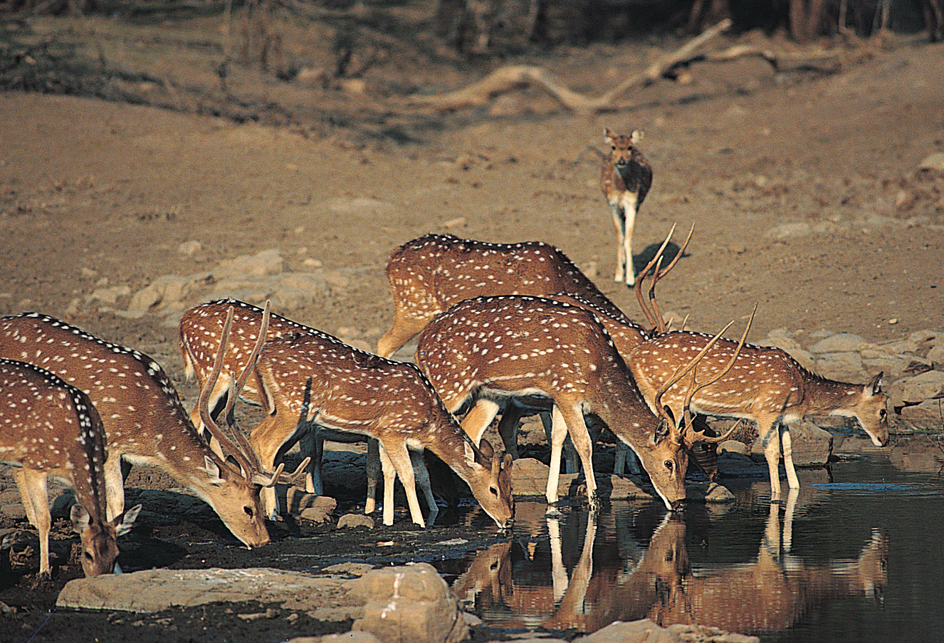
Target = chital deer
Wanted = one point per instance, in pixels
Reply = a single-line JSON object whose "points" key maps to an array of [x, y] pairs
{"points": [[199, 340], [314, 379], [49, 428], [143, 418], [485, 350], [429, 274], [764, 384], [625, 179]]}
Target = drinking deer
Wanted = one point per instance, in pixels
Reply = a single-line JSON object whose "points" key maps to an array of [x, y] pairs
{"points": [[199, 340], [429, 274], [314, 379], [485, 350], [49, 428], [764, 384], [625, 179], [143, 419]]}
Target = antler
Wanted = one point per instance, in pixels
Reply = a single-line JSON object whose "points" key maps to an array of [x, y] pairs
{"points": [[690, 435], [246, 456], [654, 315]]}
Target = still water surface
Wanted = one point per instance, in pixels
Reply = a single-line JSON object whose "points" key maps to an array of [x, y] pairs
{"points": [[855, 555]]}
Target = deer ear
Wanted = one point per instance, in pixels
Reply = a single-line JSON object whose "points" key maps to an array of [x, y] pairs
{"points": [[486, 448], [80, 518], [128, 520], [637, 136], [875, 384], [662, 431], [213, 471], [607, 136]]}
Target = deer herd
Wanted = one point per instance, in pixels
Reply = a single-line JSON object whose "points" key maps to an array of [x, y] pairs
{"points": [[503, 329]]}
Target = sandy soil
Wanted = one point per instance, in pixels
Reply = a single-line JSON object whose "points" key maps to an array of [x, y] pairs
{"points": [[804, 187]]}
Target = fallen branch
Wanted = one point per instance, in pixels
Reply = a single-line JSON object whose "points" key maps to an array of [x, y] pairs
{"points": [[506, 79]]}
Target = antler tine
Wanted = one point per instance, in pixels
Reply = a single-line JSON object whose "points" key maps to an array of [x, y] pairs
{"points": [[682, 371], [659, 274], [203, 402], [697, 386], [653, 322], [249, 452]]}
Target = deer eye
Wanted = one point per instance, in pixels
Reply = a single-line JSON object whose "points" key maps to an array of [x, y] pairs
{"points": [[493, 491], [249, 511], [669, 465]]}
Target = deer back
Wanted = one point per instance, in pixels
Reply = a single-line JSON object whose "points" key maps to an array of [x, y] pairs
{"points": [[199, 336], [141, 412], [429, 274]]}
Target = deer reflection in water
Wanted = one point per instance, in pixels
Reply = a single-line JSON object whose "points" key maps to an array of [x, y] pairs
{"points": [[767, 595]]}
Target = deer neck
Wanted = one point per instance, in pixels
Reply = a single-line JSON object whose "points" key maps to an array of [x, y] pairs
{"points": [[828, 397]]}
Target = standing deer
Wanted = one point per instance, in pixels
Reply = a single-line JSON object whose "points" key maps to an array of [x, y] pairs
{"points": [[199, 337], [429, 274], [485, 350], [49, 428], [144, 420], [313, 379], [625, 179], [764, 384]]}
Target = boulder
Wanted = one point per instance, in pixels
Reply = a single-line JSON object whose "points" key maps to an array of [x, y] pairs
{"points": [[838, 343], [409, 604], [646, 631]]}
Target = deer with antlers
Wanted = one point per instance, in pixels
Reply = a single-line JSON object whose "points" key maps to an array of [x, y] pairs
{"points": [[199, 340], [625, 179], [309, 380], [764, 384], [143, 419], [49, 428], [483, 351]]}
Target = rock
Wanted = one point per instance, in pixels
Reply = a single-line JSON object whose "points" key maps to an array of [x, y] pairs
{"points": [[838, 343], [936, 357], [812, 446], [189, 248], [934, 161], [11, 504], [646, 631], [708, 492], [529, 478], [309, 506], [409, 604], [892, 365], [929, 414], [347, 637], [844, 366], [348, 521], [621, 488], [62, 505], [922, 387], [733, 446], [154, 590]]}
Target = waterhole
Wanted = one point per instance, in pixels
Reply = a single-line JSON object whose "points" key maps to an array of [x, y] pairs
{"points": [[856, 554]]}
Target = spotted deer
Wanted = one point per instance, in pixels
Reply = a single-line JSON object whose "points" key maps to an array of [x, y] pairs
{"points": [[314, 380], [764, 384], [431, 273], [49, 428], [199, 337], [143, 418], [483, 351], [625, 179]]}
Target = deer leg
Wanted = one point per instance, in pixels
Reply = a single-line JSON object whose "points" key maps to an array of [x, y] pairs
{"points": [[787, 441], [508, 427], [398, 463], [33, 491], [114, 486], [629, 223], [572, 416], [569, 451], [558, 434], [418, 464], [403, 330], [619, 222], [478, 418], [266, 441], [770, 439], [373, 474]]}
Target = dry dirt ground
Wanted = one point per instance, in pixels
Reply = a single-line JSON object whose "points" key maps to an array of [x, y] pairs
{"points": [[803, 187]]}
